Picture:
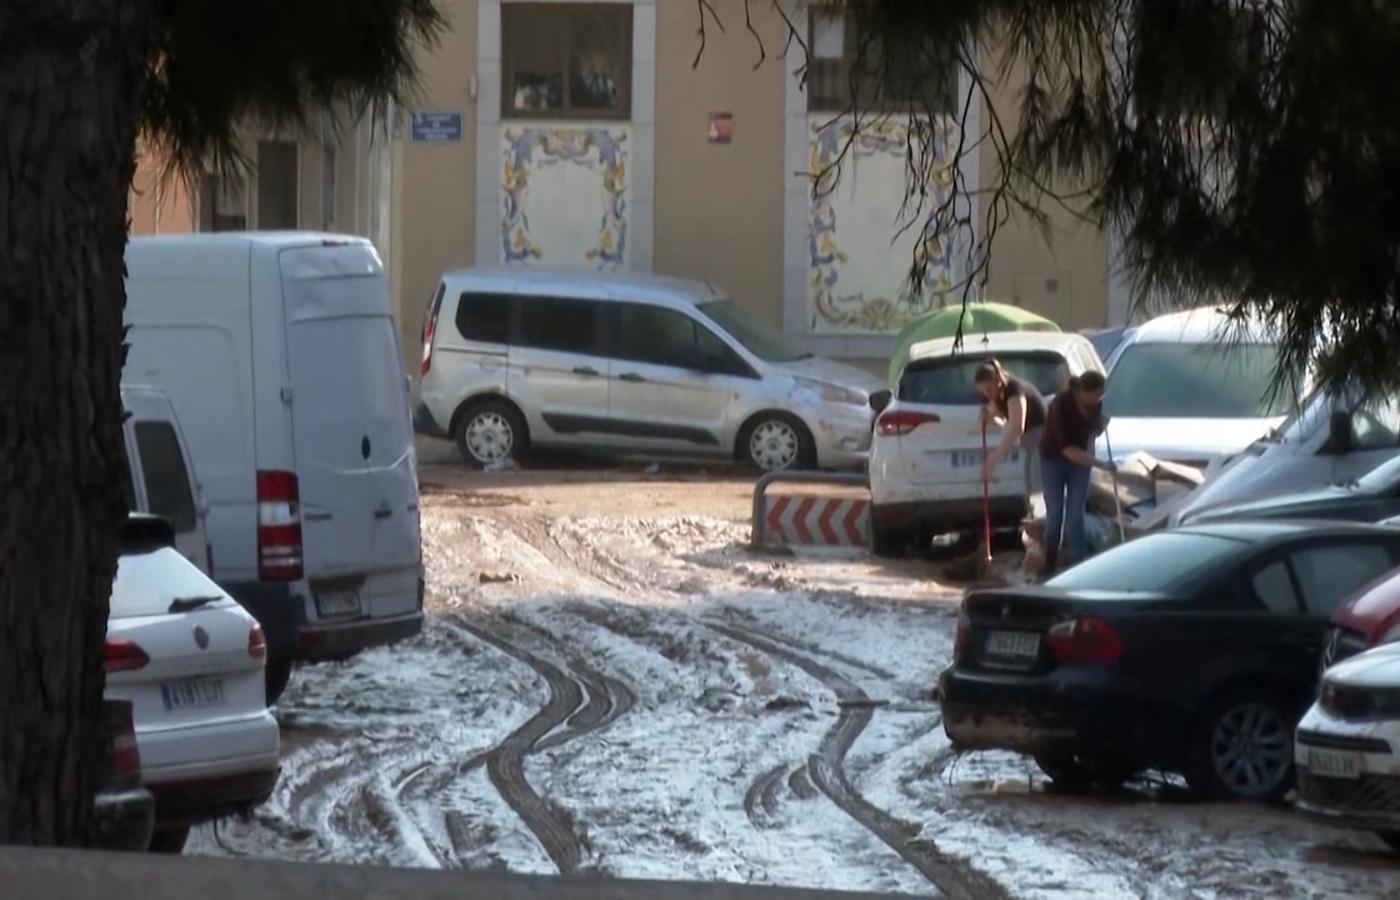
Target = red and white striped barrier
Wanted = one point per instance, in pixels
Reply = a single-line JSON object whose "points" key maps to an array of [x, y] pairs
{"points": [[820, 521]]}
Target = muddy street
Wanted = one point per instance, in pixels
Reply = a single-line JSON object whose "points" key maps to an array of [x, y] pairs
{"points": [[611, 682]]}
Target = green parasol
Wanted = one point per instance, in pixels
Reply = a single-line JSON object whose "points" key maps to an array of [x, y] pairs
{"points": [[977, 318]]}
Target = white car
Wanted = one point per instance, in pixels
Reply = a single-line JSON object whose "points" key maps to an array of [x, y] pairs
{"points": [[1190, 388], [517, 358], [926, 456], [1348, 746], [190, 661]]}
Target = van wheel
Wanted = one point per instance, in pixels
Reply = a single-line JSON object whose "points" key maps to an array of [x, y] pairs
{"points": [[491, 433], [1243, 748], [774, 442], [278, 675], [170, 840]]}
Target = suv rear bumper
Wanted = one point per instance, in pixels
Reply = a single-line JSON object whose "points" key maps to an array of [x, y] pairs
{"points": [[426, 424], [322, 642], [954, 514], [181, 803], [124, 819]]}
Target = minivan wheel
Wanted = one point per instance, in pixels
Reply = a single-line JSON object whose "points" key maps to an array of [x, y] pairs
{"points": [[490, 433], [1244, 748], [890, 543], [775, 443]]}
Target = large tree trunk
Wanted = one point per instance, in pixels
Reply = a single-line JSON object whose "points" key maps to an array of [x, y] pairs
{"points": [[70, 83]]}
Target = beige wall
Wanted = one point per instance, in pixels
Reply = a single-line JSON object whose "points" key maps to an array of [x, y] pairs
{"points": [[158, 203], [435, 184], [719, 207], [1066, 279]]}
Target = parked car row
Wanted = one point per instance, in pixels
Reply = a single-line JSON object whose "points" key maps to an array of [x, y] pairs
{"points": [[273, 483]]}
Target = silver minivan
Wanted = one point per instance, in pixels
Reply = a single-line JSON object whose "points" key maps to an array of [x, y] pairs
{"points": [[514, 359]]}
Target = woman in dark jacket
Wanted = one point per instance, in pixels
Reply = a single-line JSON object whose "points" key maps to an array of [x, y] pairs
{"points": [[1019, 409], [1072, 423]]}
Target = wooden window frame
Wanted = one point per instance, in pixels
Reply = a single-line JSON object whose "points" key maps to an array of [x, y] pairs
{"points": [[826, 105], [622, 12]]}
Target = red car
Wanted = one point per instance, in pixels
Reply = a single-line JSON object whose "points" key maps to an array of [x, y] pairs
{"points": [[1369, 617]]}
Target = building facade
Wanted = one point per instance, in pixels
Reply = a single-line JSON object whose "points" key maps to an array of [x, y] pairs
{"points": [[590, 135]]}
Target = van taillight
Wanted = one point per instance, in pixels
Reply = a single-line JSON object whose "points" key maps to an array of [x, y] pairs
{"points": [[897, 423], [279, 527], [123, 656], [1085, 640]]}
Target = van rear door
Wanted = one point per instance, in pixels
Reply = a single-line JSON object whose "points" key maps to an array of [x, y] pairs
{"points": [[351, 431]]}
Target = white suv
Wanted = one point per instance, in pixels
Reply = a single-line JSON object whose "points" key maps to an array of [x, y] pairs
{"points": [[514, 359], [926, 458]]}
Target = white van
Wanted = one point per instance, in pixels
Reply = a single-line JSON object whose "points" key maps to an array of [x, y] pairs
{"points": [[281, 354], [1333, 439], [160, 473], [1192, 388]]}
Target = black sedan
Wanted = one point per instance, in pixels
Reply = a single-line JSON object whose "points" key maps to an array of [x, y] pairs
{"points": [[1192, 651], [1371, 498]]}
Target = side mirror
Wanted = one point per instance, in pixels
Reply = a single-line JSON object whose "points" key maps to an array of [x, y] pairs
{"points": [[1339, 433], [880, 399]]}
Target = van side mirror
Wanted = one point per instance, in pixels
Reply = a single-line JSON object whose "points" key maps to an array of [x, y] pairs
{"points": [[880, 399], [1339, 433]]}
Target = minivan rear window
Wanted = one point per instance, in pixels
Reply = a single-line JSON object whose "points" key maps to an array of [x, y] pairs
{"points": [[167, 479], [484, 317], [950, 380]]}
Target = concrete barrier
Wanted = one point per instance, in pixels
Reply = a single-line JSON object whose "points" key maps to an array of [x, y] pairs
{"points": [[40, 874], [811, 519]]}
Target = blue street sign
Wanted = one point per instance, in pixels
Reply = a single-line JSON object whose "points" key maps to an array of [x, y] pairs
{"points": [[437, 127]]}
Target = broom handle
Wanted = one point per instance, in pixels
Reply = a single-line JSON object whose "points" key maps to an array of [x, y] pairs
{"points": [[986, 498], [1117, 500]]}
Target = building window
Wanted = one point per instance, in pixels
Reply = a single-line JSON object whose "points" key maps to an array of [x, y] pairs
{"points": [[849, 67], [566, 60], [223, 203], [277, 185]]}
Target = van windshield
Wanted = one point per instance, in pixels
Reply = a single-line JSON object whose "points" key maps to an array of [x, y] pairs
{"points": [[761, 341], [1196, 381]]}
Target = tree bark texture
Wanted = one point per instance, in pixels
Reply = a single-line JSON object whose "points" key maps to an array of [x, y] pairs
{"points": [[71, 73]]}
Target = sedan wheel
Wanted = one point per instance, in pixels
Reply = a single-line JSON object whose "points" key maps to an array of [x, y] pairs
{"points": [[1245, 750]]}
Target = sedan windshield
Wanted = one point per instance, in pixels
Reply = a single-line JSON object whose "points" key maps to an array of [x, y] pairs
{"points": [[1196, 381], [148, 583], [760, 340], [1155, 564]]}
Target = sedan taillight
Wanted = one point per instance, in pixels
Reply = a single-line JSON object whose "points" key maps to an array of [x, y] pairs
{"points": [[126, 755], [899, 422], [123, 656], [1085, 639], [257, 643]]}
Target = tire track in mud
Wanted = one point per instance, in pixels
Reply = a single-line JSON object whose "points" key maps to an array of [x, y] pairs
{"points": [[580, 702], [953, 876]]}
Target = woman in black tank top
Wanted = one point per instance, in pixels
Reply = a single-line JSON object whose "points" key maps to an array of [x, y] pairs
{"points": [[1019, 407]]}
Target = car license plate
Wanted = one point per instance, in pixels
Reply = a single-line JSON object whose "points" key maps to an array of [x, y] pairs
{"points": [[966, 459], [1333, 764], [338, 603], [192, 693], [1018, 645]]}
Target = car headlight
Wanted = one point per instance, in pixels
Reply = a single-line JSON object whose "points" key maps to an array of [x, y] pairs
{"points": [[833, 393]]}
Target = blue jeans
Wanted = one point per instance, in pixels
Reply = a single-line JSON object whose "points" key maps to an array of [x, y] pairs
{"points": [[1066, 503]]}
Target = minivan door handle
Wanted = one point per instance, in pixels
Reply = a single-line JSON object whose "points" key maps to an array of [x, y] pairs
{"points": [[631, 376], [587, 371]]}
